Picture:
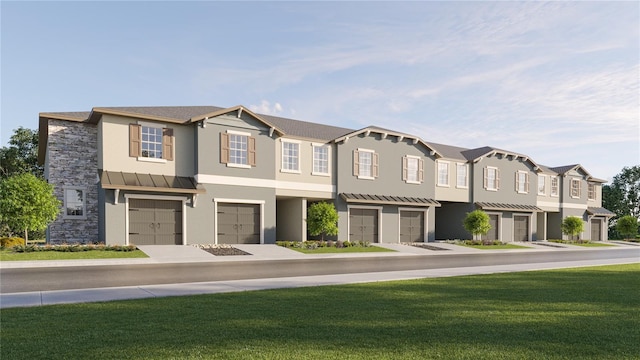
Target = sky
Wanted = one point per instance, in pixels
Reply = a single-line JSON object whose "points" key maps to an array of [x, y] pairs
{"points": [[557, 81]]}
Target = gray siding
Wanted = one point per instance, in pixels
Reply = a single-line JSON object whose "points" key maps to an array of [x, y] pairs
{"points": [[507, 191]]}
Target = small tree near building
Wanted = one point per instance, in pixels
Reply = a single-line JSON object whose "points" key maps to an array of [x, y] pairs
{"points": [[27, 203], [477, 223], [627, 226], [322, 218], [572, 226]]}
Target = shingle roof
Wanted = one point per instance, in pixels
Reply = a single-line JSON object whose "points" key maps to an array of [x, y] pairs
{"points": [[306, 129], [507, 207], [563, 169], [388, 199], [448, 151]]}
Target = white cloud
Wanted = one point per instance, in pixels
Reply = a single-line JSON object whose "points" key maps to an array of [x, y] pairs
{"points": [[265, 107]]}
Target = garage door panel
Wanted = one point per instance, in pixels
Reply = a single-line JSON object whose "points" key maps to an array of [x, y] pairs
{"points": [[155, 222], [520, 228], [411, 226], [493, 233], [238, 223], [363, 225], [596, 230]]}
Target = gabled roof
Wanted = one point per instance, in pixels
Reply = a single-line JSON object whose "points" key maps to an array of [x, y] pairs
{"points": [[449, 152], [240, 109], [563, 170], [478, 153], [386, 132]]}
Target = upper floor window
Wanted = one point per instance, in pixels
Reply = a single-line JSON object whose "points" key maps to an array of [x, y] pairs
{"points": [[320, 159], [237, 149], [74, 202], [443, 173], [290, 156], [148, 142], [491, 178], [365, 164], [575, 188], [412, 169], [591, 191], [461, 175], [522, 182], [554, 186], [542, 184]]}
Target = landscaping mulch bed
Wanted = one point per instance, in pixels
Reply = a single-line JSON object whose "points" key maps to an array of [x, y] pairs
{"points": [[223, 250], [549, 245], [428, 247]]}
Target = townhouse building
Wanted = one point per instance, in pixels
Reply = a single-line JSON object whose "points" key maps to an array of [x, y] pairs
{"points": [[205, 175]]}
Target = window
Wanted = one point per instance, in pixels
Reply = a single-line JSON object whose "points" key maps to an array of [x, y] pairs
{"points": [[443, 173], [412, 169], [290, 156], [461, 175], [554, 186], [237, 149], [575, 188], [149, 142], [542, 184], [320, 160], [591, 191], [74, 203], [365, 164], [522, 182], [491, 178]]}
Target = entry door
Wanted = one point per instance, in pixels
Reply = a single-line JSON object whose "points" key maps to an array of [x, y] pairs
{"points": [[363, 225], [155, 222], [493, 232], [520, 228], [596, 230], [411, 226], [238, 223]]}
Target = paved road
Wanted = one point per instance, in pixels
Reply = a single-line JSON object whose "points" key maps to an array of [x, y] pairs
{"points": [[16, 280]]}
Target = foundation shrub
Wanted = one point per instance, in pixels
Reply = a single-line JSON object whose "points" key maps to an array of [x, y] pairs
{"points": [[9, 242]]}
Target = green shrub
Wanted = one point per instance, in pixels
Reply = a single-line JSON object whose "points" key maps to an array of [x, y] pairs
{"points": [[72, 248], [8, 242]]}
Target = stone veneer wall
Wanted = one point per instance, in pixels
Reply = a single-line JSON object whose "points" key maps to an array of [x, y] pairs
{"points": [[72, 154]]}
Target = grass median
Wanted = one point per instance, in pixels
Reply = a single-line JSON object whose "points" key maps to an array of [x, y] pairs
{"points": [[582, 313]]}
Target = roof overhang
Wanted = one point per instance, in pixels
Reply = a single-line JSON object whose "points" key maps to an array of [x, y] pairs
{"points": [[97, 112], [384, 133], [117, 180], [239, 109], [507, 207], [600, 211], [515, 156], [388, 200]]}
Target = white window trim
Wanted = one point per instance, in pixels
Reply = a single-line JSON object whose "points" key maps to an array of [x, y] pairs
{"points": [[237, 201], [571, 188], [594, 192], [288, 141], [542, 178], [155, 197], [363, 177], [147, 159], [379, 208], [313, 150], [418, 182], [557, 194], [438, 162], [495, 187], [234, 165], [466, 177], [84, 202], [524, 185]]}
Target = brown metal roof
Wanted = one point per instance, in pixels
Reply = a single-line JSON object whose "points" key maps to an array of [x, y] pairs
{"points": [[600, 211], [388, 199], [149, 182], [507, 207]]}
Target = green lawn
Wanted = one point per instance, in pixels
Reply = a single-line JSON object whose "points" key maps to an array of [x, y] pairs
{"points": [[7, 255], [585, 313], [495, 247], [334, 250]]}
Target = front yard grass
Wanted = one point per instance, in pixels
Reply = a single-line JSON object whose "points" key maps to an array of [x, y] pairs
{"points": [[8, 255], [334, 250], [580, 313]]}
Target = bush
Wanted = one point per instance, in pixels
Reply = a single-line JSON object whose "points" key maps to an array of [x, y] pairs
{"points": [[72, 248], [8, 242]]}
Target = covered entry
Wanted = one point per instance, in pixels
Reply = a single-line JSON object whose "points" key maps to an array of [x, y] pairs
{"points": [[155, 222], [238, 223], [411, 226], [363, 225]]}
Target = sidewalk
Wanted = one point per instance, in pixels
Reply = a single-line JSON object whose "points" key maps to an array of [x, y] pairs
{"points": [[159, 254]]}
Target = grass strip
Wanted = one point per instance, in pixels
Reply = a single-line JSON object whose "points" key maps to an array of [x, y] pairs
{"points": [[8, 255], [334, 250], [495, 247], [582, 313]]}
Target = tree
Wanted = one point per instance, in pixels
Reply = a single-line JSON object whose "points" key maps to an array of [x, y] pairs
{"points": [[322, 218], [627, 226], [622, 196], [21, 156], [27, 203], [572, 226], [477, 223]]}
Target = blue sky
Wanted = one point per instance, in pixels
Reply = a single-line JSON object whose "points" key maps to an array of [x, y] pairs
{"points": [[557, 81]]}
